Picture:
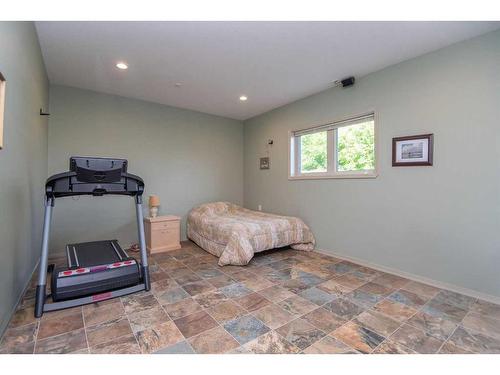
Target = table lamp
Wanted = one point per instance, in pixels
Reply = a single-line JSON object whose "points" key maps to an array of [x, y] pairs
{"points": [[154, 203]]}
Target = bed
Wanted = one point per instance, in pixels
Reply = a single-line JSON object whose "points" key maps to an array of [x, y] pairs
{"points": [[235, 234]]}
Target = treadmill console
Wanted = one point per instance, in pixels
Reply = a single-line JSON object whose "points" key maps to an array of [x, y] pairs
{"points": [[97, 170]]}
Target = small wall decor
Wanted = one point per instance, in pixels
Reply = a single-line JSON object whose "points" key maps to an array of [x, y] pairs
{"points": [[412, 150], [264, 163], [2, 107]]}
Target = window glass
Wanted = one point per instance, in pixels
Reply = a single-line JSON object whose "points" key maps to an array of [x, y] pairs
{"points": [[356, 147], [313, 152]]}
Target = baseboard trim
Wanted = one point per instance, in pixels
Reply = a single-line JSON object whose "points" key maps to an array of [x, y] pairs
{"points": [[422, 279], [19, 299]]}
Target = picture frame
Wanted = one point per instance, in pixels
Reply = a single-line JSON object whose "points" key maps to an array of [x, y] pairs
{"points": [[264, 163], [2, 107], [415, 150]]}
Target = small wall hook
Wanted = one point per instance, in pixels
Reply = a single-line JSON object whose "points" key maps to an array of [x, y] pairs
{"points": [[42, 113]]}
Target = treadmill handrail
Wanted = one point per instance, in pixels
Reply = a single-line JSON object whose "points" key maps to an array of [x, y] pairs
{"points": [[66, 185]]}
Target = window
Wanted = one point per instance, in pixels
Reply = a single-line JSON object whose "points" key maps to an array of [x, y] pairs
{"points": [[338, 150]]}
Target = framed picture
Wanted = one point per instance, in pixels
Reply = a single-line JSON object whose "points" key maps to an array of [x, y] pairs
{"points": [[412, 151], [2, 107], [264, 163]]}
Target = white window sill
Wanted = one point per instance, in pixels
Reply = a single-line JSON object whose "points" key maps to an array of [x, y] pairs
{"points": [[333, 176]]}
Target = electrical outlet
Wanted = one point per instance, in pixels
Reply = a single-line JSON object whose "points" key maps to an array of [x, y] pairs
{"points": [[260, 207]]}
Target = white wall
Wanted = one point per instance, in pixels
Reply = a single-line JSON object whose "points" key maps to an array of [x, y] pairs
{"points": [[439, 222], [185, 157], [23, 161]]}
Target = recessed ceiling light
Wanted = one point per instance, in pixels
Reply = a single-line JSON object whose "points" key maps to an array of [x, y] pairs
{"points": [[122, 66], [243, 98]]}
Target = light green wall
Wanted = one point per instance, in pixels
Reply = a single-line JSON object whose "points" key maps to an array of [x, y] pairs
{"points": [[439, 222], [185, 157], [23, 160]]}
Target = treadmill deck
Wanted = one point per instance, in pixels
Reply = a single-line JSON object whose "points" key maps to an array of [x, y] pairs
{"points": [[93, 268], [96, 253]]}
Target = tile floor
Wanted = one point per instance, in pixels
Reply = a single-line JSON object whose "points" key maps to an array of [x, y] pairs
{"points": [[284, 301]]}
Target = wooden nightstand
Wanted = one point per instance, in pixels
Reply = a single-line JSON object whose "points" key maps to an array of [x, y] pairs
{"points": [[163, 233]]}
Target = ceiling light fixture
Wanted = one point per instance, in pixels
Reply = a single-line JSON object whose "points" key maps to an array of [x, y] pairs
{"points": [[122, 66], [243, 98]]}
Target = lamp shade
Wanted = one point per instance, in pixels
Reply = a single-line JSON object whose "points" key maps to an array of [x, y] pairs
{"points": [[154, 201]]}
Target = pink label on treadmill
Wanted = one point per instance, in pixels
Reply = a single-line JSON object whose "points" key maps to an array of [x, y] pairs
{"points": [[105, 267], [101, 297], [99, 268]]}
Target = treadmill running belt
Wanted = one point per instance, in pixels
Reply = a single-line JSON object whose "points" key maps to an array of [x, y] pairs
{"points": [[89, 254]]}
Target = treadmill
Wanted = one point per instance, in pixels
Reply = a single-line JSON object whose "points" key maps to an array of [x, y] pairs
{"points": [[97, 270]]}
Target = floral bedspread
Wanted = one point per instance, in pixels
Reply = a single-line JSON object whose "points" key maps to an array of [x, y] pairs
{"points": [[235, 234]]}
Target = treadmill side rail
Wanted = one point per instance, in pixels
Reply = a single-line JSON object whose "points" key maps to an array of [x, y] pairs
{"points": [[142, 244], [44, 256]]}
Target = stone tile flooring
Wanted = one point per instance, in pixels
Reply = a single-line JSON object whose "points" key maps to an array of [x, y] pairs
{"points": [[284, 301]]}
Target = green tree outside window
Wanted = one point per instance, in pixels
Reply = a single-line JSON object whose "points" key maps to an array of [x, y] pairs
{"points": [[356, 147], [313, 152]]}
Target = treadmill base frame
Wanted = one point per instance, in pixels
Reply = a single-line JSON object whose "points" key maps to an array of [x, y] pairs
{"points": [[92, 299]]}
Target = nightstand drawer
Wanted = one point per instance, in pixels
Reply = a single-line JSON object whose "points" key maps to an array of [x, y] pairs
{"points": [[165, 225], [163, 237]]}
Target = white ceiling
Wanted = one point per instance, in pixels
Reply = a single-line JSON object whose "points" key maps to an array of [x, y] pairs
{"points": [[273, 63]]}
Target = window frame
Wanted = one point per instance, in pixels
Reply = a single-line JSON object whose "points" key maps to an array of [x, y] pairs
{"points": [[2, 107], [331, 173]]}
